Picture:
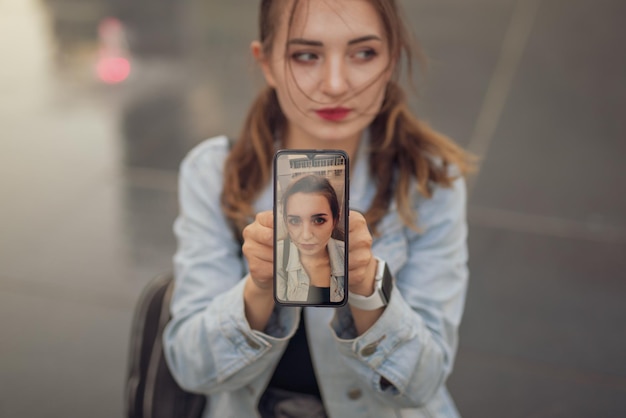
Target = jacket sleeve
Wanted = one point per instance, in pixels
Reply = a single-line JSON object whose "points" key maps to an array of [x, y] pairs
{"points": [[209, 344], [407, 355]]}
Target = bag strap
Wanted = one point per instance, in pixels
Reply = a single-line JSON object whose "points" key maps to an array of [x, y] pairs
{"points": [[286, 248], [157, 352], [142, 335]]}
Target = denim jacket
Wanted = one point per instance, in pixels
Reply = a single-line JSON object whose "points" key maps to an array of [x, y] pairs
{"points": [[211, 348], [293, 283]]}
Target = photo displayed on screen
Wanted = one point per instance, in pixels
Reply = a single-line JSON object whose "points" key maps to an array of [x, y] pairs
{"points": [[310, 221]]}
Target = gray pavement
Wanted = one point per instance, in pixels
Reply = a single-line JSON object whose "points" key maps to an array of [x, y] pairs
{"points": [[88, 188]]}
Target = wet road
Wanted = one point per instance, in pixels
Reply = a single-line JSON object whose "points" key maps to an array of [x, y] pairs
{"points": [[100, 100]]}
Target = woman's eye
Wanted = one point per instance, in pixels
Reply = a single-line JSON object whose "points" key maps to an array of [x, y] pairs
{"points": [[293, 221], [319, 221], [365, 54], [304, 57]]}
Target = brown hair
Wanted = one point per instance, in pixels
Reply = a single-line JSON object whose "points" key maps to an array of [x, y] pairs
{"points": [[403, 149], [313, 183]]}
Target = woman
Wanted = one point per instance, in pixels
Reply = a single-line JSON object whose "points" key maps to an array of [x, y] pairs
{"points": [[311, 269], [331, 69]]}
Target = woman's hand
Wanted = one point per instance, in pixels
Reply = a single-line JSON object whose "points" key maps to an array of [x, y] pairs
{"points": [[361, 261], [362, 270], [258, 248]]}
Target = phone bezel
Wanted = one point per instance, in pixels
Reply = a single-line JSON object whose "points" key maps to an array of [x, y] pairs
{"points": [[312, 153]]}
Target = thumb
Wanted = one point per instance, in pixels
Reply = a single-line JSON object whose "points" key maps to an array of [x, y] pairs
{"points": [[266, 218]]}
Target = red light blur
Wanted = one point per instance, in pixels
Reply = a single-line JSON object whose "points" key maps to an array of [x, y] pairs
{"points": [[113, 70], [113, 65]]}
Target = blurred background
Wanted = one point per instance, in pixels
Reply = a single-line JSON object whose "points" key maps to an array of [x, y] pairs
{"points": [[101, 99]]}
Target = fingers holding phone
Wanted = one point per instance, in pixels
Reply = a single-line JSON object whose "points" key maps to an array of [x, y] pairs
{"points": [[362, 265], [258, 248]]}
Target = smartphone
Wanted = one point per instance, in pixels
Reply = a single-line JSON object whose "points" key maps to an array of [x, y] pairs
{"points": [[311, 201]]}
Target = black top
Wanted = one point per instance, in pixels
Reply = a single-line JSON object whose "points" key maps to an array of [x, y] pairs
{"points": [[318, 295], [295, 370]]}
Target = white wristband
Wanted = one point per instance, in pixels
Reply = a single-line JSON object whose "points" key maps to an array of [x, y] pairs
{"points": [[378, 298]]}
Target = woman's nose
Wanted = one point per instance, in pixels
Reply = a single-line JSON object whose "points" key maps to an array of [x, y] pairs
{"points": [[307, 232], [335, 81]]}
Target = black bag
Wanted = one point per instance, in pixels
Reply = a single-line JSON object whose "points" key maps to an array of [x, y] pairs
{"points": [[151, 391]]}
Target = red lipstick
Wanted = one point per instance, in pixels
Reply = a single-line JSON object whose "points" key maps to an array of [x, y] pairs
{"points": [[334, 113]]}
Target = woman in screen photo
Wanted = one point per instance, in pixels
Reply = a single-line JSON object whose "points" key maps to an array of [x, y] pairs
{"points": [[311, 267]]}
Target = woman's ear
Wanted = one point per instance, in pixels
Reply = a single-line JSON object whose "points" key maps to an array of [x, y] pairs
{"points": [[259, 56]]}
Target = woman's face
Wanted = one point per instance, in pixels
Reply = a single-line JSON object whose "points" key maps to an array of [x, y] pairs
{"points": [[310, 222], [330, 69]]}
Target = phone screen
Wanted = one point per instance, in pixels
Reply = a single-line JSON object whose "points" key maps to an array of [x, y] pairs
{"points": [[311, 193]]}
